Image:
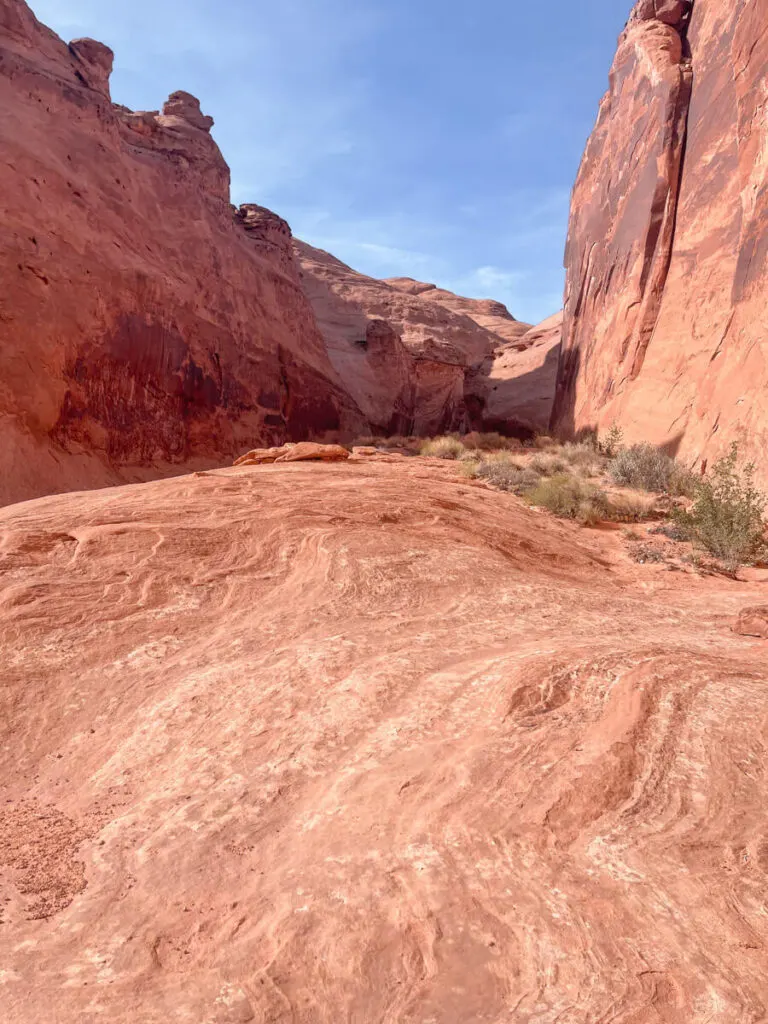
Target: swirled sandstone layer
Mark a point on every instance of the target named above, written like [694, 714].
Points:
[366, 742]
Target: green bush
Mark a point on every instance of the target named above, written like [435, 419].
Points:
[570, 498]
[727, 517]
[612, 443]
[650, 469]
[443, 448]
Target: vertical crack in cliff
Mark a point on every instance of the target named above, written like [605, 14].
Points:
[660, 240]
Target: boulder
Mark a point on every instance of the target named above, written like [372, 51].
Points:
[753, 622]
[303, 451]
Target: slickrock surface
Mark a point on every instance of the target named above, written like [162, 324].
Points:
[144, 322]
[667, 258]
[364, 742]
[420, 360]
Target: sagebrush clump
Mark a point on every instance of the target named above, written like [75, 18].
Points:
[443, 448]
[508, 476]
[650, 469]
[570, 498]
[727, 517]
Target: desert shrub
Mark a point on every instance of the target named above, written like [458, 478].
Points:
[612, 443]
[646, 553]
[548, 465]
[587, 436]
[400, 441]
[649, 469]
[570, 498]
[582, 456]
[507, 476]
[727, 517]
[488, 442]
[543, 441]
[672, 531]
[630, 508]
[369, 442]
[442, 448]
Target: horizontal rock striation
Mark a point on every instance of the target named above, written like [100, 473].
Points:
[667, 256]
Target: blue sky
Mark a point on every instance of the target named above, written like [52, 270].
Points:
[435, 139]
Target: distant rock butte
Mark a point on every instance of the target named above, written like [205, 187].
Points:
[419, 359]
[666, 310]
[493, 316]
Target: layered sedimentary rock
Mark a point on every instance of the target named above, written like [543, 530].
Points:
[419, 359]
[362, 742]
[403, 360]
[144, 323]
[667, 255]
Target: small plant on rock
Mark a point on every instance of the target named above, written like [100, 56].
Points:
[727, 517]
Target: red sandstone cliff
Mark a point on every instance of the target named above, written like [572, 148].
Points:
[419, 359]
[144, 322]
[666, 314]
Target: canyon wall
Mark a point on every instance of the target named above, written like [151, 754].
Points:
[419, 359]
[666, 312]
[144, 322]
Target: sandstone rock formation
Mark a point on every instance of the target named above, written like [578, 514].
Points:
[667, 256]
[493, 316]
[362, 742]
[513, 389]
[421, 360]
[753, 622]
[144, 323]
[304, 451]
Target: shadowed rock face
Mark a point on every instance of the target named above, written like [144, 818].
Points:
[667, 256]
[513, 390]
[144, 324]
[362, 742]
